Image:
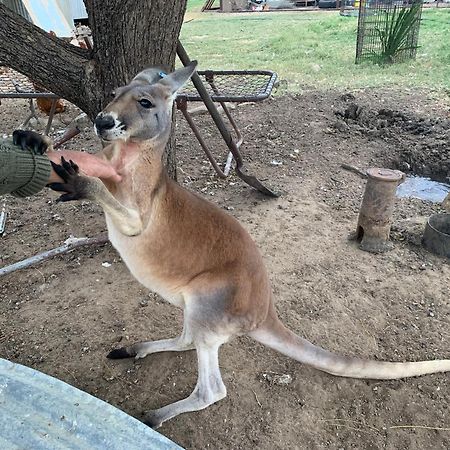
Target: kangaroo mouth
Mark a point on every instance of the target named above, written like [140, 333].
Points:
[112, 134]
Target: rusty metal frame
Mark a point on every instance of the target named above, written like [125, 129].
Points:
[209, 75]
[208, 100]
[217, 97]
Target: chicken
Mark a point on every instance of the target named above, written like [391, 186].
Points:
[45, 104]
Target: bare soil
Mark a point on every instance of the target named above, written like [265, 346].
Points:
[63, 316]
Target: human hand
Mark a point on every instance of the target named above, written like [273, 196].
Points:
[89, 165]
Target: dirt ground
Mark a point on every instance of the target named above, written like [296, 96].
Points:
[63, 316]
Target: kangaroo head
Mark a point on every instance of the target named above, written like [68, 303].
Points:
[142, 110]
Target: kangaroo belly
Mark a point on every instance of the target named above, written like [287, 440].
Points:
[141, 264]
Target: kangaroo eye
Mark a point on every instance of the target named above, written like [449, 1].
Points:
[146, 103]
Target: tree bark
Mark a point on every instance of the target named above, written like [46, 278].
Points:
[128, 36]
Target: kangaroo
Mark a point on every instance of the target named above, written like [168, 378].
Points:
[191, 252]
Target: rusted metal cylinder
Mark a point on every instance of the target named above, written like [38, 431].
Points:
[375, 215]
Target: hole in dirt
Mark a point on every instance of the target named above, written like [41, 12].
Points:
[359, 233]
[417, 144]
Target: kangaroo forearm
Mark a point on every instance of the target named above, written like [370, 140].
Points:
[127, 220]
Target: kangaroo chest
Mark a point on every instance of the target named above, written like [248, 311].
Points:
[143, 264]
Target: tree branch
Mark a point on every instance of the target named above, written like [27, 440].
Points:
[58, 66]
[128, 36]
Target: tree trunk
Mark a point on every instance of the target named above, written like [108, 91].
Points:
[128, 37]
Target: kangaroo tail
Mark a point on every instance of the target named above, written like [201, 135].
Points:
[276, 336]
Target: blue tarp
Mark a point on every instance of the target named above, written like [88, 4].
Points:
[47, 15]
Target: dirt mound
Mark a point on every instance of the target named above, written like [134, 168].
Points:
[421, 143]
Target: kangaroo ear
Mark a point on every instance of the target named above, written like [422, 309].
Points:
[176, 80]
[149, 76]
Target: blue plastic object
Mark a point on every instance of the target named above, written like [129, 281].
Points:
[40, 412]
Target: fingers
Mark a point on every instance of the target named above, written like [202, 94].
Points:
[86, 163]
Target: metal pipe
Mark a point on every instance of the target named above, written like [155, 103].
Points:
[29, 95]
[375, 215]
[50, 116]
[182, 106]
[226, 135]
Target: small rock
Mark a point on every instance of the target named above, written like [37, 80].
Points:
[348, 96]
[340, 125]
[143, 302]
[106, 264]
[280, 379]
[404, 166]
[353, 111]
[276, 163]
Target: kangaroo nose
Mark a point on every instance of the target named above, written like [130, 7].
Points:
[104, 122]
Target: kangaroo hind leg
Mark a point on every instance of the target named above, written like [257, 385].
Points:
[208, 390]
[142, 349]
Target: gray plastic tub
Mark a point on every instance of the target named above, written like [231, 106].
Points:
[39, 412]
[436, 237]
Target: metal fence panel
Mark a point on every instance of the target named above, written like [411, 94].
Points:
[377, 20]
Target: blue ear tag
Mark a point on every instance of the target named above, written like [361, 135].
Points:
[162, 74]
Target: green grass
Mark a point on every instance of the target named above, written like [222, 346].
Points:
[196, 5]
[313, 49]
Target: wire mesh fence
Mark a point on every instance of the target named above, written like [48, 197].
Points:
[233, 85]
[388, 30]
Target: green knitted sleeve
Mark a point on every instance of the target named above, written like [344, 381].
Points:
[22, 173]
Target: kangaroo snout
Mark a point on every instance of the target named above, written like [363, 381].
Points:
[104, 122]
[109, 127]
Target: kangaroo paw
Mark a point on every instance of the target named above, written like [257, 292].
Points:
[76, 187]
[32, 140]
